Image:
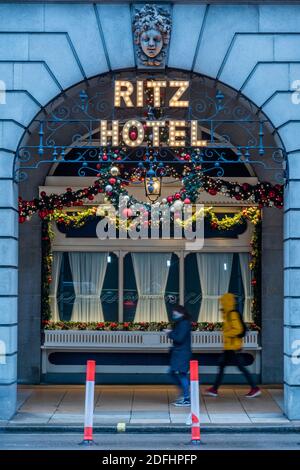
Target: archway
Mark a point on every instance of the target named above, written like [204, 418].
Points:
[30, 243]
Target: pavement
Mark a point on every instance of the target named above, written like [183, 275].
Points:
[146, 408]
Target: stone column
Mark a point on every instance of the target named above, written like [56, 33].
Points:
[8, 287]
[292, 290]
[272, 297]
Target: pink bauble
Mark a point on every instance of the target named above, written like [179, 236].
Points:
[133, 135]
[127, 212]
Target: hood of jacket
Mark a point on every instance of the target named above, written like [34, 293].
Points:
[228, 302]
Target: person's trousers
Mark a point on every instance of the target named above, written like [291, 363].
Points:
[230, 357]
[182, 381]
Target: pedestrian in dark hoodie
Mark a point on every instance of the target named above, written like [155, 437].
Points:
[181, 352]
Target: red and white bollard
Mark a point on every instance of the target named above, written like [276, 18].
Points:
[195, 402]
[89, 402]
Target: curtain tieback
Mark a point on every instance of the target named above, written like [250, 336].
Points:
[210, 297]
[151, 296]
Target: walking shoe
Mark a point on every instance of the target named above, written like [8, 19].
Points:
[211, 392]
[254, 392]
[184, 402]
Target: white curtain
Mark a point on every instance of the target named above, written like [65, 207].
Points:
[88, 272]
[214, 272]
[246, 277]
[151, 273]
[56, 265]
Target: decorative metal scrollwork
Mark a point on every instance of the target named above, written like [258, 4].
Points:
[69, 133]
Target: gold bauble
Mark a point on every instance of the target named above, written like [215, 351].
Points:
[114, 171]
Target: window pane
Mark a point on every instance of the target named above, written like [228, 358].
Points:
[109, 295]
[151, 286]
[192, 295]
[66, 293]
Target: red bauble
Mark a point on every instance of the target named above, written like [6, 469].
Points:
[245, 186]
[22, 219]
[98, 166]
[43, 214]
[127, 212]
[112, 180]
[187, 201]
[90, 197]
[169, 199]
[133, 135]
[104, 158]
[212, 191]
[238, 197]
[177, 196]
[187, 157]
[253, 282]
[271, 194]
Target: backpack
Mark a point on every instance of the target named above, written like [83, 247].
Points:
[244, 326]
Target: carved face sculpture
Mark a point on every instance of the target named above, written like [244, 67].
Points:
[151, 42]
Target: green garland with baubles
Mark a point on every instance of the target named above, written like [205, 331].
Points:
[264, 194]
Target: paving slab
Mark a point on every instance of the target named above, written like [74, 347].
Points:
[277, 395]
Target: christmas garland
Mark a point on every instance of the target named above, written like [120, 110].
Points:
[47, 259]
[131, 326]
[264, 194]
[255, 267]
[80, 218]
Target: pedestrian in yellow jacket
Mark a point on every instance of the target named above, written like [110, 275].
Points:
[233, 342]
[232, 326]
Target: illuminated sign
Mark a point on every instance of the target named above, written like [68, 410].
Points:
[131, 95]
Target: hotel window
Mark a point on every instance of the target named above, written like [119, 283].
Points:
[151, 286]
[208, 276]
[84, 287]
